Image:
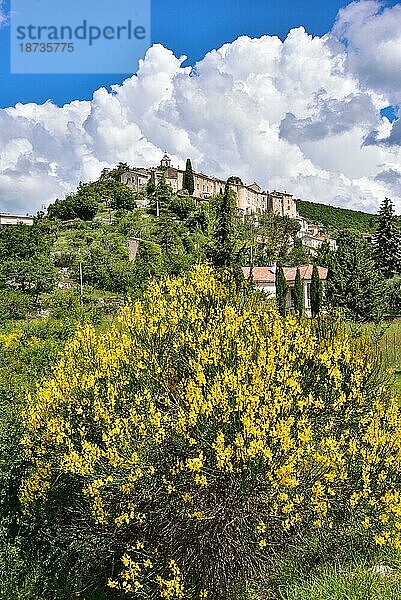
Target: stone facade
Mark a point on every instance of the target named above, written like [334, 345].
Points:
[283, 204]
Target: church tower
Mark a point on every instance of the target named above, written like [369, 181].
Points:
[165, 162]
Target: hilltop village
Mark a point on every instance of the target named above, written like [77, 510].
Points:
[251, 199]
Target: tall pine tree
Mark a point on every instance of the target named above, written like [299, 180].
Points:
[281, 291]
[188, 179]
[388, 241]
[298, 295]
[316, 292]
[354, 282]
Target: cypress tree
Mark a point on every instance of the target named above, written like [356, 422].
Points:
[281, 291]
[222, 254]
[316, 292]
[188, 179]
[388, 241]
[298, 294]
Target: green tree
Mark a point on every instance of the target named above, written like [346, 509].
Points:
[175, 243]
[388, 241]
[107, 270]
[85, 204]
[325, 256]
[198, 220]
[281, 291]
[116, 172]
[123, 198]
[20, 241]
[33, 276]
[82, 205]
[148, 264]
[298, 294]
[224, 232]
[62, 209]
[298, 255]
[392, 293]
[354, 282]
[188, 179]
[182, 207]
[14, 305]
[161, 196]
[316, 292]
[234, 179]
[150, 189]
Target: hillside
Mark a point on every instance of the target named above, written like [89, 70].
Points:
[332, 217]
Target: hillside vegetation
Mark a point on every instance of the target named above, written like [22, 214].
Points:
[334, 218]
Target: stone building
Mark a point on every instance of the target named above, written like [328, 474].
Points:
[282, 204]
[136, 179]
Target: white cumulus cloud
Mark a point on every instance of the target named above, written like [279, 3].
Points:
[372, 33]
[298, 115]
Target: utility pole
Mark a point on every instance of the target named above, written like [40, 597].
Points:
[81, 280]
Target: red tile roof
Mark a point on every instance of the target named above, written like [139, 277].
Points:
[260, 274]
[267, 274]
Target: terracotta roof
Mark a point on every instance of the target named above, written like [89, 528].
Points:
[260, 274]
[267, 274]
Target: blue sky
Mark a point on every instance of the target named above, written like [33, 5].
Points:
[192, 28]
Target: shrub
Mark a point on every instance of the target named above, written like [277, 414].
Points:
[392, 292]
[14, 305]
[203, 431]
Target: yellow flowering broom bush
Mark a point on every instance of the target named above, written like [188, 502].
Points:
[202, 430]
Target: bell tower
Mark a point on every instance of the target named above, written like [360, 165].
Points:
[165, 162]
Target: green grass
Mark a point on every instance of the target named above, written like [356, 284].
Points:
[353, 582]
[355, 578]
[322, 566]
